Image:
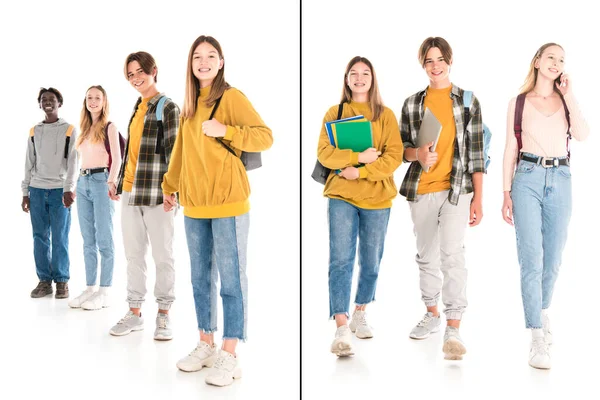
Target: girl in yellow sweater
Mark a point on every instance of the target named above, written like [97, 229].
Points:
[213, 189]
[360, 198]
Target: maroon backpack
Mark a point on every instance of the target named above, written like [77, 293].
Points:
[519, 120]
[107, 145]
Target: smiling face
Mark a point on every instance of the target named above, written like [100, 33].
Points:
[50, 104]
[141, 81]
[206, 63]
[94, 101]
[360, 79]
[551, 63]
[437, 68]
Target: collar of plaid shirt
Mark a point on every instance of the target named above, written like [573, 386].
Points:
[468, 146]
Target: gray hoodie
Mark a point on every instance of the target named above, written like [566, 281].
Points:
[48, 169]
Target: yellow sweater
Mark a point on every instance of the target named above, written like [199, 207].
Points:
[212, 182]
[375, 188]
[438, 177]
[136, 129]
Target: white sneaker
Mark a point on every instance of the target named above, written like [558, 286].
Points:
[359, 325]
[79, 300]
[454, 348]
[96, 302]
[224, 371]
[547, 331]
[342, 344]
[203, 355]
[539, 355]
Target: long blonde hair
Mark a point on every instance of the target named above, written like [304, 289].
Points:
[97, 135]
[192, 84]
[374, 97]
[531, 79]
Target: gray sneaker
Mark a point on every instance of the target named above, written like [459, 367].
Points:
[428, 325]
[453, 348]
[359, 325]
[163, 331]
[129, 323]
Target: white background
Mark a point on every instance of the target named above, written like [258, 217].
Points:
[51, 351]
[493, 45]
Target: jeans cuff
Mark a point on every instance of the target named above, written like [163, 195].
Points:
[453, 315]
[346, 313]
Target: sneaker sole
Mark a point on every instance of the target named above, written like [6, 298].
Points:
[436, 329]
[208, 363]
[342, 350]
[237, 374]
[163, 338]
[93, 309]
[453, 350]
[62, 296]
[40, 296]
[134, 329]
[539, 366]
[360, 336]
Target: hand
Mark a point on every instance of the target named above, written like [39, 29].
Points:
[507, 209]
[350, 173]
[25, 205]
[112, 191]
[68, 199]
[565, 84]
[368, 156]
[169, 201]
[476, 213]
[425, 156]
[214, 128]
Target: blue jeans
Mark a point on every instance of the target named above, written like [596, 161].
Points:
[218, 248]
[50, 221]
[542, 210]
[95, 211]
[347, 223]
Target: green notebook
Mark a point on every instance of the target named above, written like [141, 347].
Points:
[353, 135]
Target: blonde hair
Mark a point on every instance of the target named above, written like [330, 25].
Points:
[438, 42]
[192, 84]
[97, 135]
[531, 79]
[374, 97]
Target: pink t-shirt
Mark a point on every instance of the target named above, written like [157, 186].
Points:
[94, 155]
[544, 136]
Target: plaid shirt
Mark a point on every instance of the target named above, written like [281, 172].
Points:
[468, 146]
[151, 167]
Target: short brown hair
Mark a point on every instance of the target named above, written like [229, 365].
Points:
[146, 62]
[438, 42]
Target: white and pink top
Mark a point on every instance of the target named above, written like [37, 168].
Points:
[542, 135]
[94, 155]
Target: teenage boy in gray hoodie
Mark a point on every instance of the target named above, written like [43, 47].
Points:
[48, 193]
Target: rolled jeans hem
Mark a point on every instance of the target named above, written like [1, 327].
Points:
[457, 315]
[346, 313]
[61, 280]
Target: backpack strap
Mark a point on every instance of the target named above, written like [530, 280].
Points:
[31, 133]
[518, 123]
[159, 110]
[68, 140]
[568, 117]
[340, 109]
[107, 144]
[212, 114]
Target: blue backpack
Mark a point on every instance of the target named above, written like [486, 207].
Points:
[487, 134]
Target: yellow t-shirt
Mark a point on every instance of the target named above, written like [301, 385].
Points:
[438, 177]
[135, 138]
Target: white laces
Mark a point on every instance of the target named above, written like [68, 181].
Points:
[360, 319]
[126, 318]
[162, 322]
[225, 362]
[539, 346]
[202, 347]
[425, 320]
